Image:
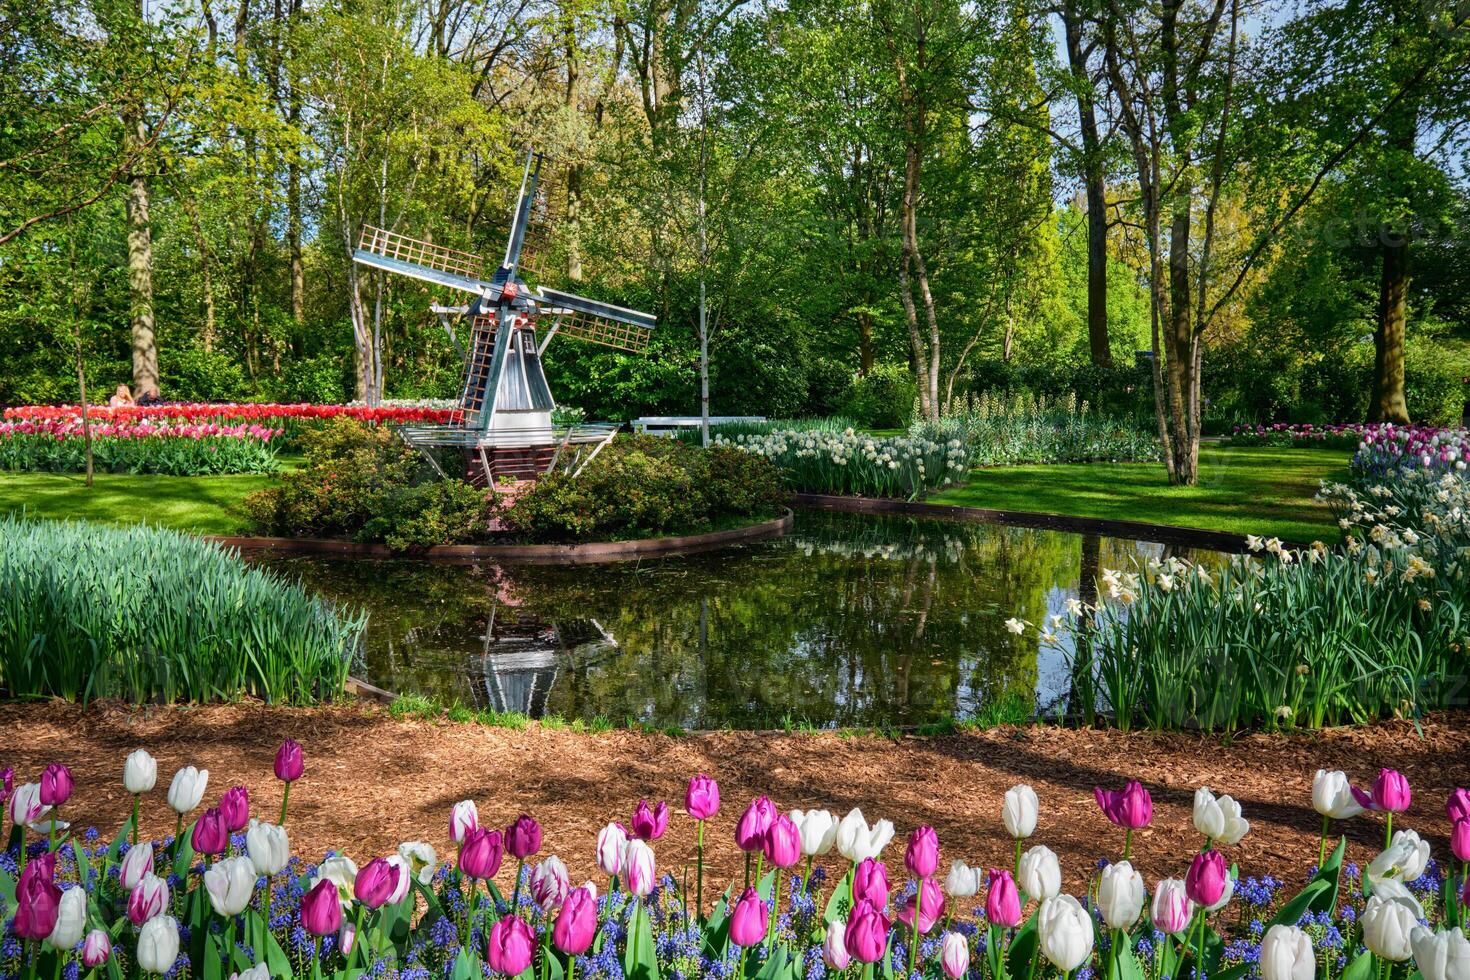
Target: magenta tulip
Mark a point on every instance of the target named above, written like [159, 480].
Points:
[96, 948]
[650, 823]
[376, 882]
[480, 855]
[1460, 839]
[783, 842]
[148, 899]
[931, 909]
[56, 785]
[321, 909]
[750, 830]
[1390, 792]
[749, 921]
[922, 857]
[1206, 879]
[702, 798]
[7, 784]
[235, 806]
[867, 933]
[577, 924]
[510, 946]
[211, 834]
[1457, 807]
[1002, 900]
[37, 899]
[289, 764]
[523, 837]
[870, 883]
[1131, 807]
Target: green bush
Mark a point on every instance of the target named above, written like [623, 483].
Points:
[363, 482]
[881, 399]
[195, 375]
[89, 611]
[642, 486]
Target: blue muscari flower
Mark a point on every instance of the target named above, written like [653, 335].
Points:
[90, 835]
[71, 971]
[1085, 973]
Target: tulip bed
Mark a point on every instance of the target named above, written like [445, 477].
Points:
[1388, 451]
[138, 446]
[849, 462]
[1281, 434]
[223, 896]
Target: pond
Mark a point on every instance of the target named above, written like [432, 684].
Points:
[847, 621]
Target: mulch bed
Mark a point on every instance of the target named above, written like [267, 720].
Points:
[373, 781]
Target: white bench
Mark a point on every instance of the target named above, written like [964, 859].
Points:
[667, 425]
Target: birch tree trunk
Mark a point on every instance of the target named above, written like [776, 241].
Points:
[140, 270]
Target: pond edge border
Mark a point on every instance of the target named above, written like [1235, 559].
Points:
[589, 553]
[1190, 537]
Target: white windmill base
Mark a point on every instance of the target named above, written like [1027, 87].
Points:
[522, 452]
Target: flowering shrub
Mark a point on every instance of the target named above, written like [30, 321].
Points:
[997, 430]
[1282, 434]
[224, 896]
[58, 445]
[816, 461]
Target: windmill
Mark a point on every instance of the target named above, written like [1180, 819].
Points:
[504, 422]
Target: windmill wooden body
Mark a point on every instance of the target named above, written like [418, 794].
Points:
[504, 423]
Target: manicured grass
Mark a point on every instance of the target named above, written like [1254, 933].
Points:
[1245, 491]
[202, 504]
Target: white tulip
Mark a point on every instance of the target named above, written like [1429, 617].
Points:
[1120, 895]
[857, 841]
[962, 881]
[1332, 795]
[834, 946]
[231, 885]
[1386, 928]
[1172, 910]
[422, 859]
[1287, 954]
[187, 789]
[257, 972]
[640, 867]
[1040, 873]
[71, 920]
[1019, 810]
[463, 819]
[1443, 955]
[136, 865]
[1393, 890]
[341, 871]
[140, 772]
[1218, 819]
[404, 873]
[268, 846]
[818, 831]
[1064, 928]
[158, 944]
[1404, 859]
[25, 806]
[612, 843]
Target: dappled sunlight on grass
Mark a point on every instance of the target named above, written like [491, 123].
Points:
[205, 504]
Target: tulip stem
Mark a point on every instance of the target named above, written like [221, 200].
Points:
[20, 870]
[1322, 851]
[571, 966]
[1016, 865]
[515, 900]
[1387, 829]
[744, 952]
[747, 869]
[285, 798]
[698, 874]
[1128, 844]
[775, 914]
[357, 940]
[316, 960]
[135, 819]
[760, 869]
[35, 955]
[918, 911]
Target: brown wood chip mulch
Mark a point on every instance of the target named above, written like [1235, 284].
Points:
[373, 781]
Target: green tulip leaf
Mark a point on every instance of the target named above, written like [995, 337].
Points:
[464, 968]
[211, 961]
[1361, 968]
[778, 967]
[840, 900]
[7, 887]
[184, 853]
[717, 929]
[640, 961]
[1024, 950]
[114, 852]
[1308, 898]
[1128, 967]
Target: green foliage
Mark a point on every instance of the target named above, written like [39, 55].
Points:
[143, 614]
[365, 483]
[881, 399]
[644, 486]
[172, 455]
[1004, 431]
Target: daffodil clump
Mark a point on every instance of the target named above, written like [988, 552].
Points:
[849, 462]
[998, 429]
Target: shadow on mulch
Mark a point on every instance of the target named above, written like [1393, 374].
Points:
[373, 781]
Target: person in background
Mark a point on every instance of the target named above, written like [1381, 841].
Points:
[120, 398]
[150, 397]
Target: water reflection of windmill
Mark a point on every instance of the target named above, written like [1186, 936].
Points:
[504, 423]
[523, 659]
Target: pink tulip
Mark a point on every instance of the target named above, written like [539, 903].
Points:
[1457, 807]
[1460, 839]
[56, 785]
[577, 924]
[211, 833]
[650, 823]
[931, 909]
[954, 955]
[7, 783]
[702, 798]
[96, 948]
[1002, 900]
[867, 933]
[1131, 807]
[321, 909]
[549, 883]
[376, 882]
[463, 820]
[749, 921]
[37, 899]
[523, 837]
[289, 764]
[480, 855]
[1390, 792]
[149, 898]
[1206, 879]
[510, 946]
[870, 883]
[235, 806]
[750, 830]
[922, 856]
[783, 842]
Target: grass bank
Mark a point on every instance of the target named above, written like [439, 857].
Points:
[1261, 491]
[201, 504]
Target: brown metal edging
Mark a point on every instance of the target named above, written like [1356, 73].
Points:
[574, 554]
[1191, 537]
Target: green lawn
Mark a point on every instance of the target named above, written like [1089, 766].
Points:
[205, 504]
[1246, 491]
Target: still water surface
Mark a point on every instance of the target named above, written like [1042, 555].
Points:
[847, 621]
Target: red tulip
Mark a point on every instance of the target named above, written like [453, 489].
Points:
[523, 837]
[1002, 900]
[1457, 807]
[376, 882]
[1206, 879]
[750, 830]
[867, 933]
[922, 856]
[783, 842]
[931, 909]
[870, 882]
[1460, 839]
[480, 855]
[1390, 792]
[289, 764]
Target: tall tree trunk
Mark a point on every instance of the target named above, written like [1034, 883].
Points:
[1180, 337]
[865, 342]
[1094, 181]
[140, 272]
[1388, 403]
